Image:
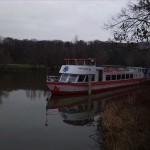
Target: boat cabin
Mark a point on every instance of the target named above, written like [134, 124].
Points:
[79, 70]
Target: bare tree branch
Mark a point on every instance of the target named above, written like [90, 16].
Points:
[133, 23]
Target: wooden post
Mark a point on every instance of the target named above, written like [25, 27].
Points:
[89, 84]
[47, 73]
[89, 107]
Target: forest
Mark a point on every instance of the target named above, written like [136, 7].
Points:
[52, 53]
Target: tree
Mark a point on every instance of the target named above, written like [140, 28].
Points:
[133, 23]
[4, 56]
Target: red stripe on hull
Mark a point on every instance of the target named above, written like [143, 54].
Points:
[93, 91]
[95, 83]
[129, 83]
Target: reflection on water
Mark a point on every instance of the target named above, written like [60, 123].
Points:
[3, 94]
[84, 110]
[32, 82]
[22, 80]
[70, 122]
[34, 94]
[22, 114]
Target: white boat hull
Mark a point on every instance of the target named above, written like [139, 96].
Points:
[79, 88]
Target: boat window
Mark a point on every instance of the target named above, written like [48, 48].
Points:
[81, 78]
[127, 76]
[86, 79]
[63, 77]
[118, 77]
[108, 77]
[131, 75]
[72, 78]
[100, 75]
[140, 70]
[123, 76]
[92, 77]
[113, 77]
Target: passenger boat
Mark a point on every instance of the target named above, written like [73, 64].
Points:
[80, 76]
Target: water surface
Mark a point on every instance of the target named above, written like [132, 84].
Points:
[29, 122]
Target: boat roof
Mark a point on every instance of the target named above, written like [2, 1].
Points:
[100, 65]
[80, 59]
[116, 66]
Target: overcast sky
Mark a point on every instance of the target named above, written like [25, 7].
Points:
[58, 19]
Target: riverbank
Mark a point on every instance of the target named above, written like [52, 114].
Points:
[16, 67]
[125, 124]
[27, 67]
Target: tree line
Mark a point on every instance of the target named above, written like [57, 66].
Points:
[52, 53]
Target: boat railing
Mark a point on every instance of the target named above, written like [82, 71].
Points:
[80, 62]
[53, 78]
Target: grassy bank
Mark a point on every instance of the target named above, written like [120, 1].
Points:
[17, 66]
[126, 124]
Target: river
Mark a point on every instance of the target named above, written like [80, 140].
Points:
[29, 122]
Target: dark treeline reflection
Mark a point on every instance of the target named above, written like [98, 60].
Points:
[53, 52]
[23, 80]
[3, 94]
[33, 94]
[32, 82]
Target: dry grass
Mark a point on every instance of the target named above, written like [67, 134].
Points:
[127, 125]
